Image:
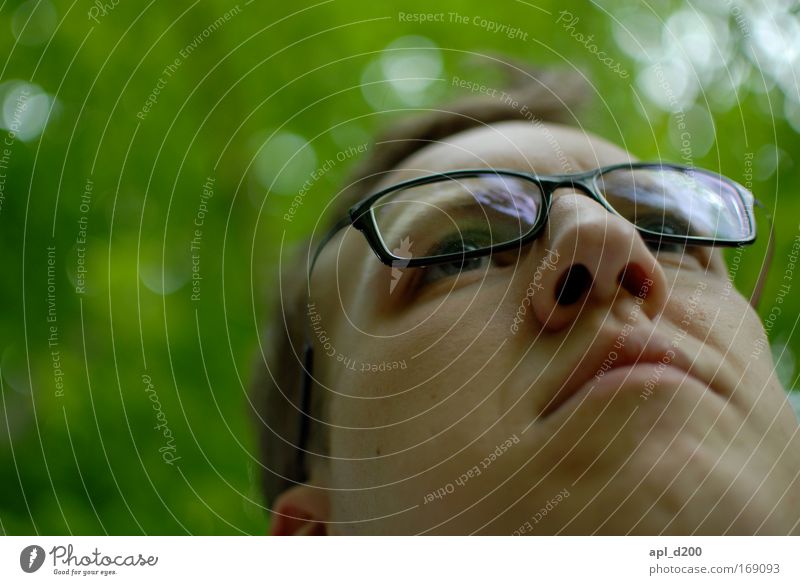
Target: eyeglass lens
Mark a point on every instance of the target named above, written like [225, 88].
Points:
[458, 214]
[665, 201]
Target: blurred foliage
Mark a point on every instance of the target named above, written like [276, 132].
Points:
[259, 96]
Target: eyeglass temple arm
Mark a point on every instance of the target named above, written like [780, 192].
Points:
[341, 224]
[305, 412]
[755, 298]
[308, 359]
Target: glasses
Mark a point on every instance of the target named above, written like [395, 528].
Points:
[457, 216]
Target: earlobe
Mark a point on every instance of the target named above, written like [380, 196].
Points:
[300, 511]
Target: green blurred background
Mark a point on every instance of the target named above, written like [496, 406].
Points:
[102, 341]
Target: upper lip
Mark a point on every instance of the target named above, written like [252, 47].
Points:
[640, 346]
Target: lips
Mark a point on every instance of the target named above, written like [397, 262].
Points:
[609, 352]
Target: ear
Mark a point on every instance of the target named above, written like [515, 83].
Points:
[301, 511]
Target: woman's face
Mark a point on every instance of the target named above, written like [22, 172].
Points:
[643, 401]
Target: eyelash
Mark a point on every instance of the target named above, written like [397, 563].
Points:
[429, 272]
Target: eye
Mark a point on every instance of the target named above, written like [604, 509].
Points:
[664, 247]
[668, 226]
[456, 243]
[672, 253]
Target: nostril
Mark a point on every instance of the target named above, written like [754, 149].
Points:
[572, 284]
[632, 278]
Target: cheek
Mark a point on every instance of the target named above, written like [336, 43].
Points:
[408, 395]
[425, 377]
[405, 404]
[716, 315]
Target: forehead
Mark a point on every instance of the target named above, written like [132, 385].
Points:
[542, 148]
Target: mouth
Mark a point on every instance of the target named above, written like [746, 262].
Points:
[641, 348]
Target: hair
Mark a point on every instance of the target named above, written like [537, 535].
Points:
[548, 95]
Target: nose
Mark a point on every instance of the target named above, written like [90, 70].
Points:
[589, 255]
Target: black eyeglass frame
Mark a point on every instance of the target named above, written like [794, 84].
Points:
[361, 217]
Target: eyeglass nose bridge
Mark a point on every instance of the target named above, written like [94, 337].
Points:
[583, 185]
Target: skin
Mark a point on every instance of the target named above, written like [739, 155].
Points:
[643, 407]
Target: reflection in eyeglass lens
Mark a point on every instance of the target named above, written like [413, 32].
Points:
[459, 214]
[673, 202]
